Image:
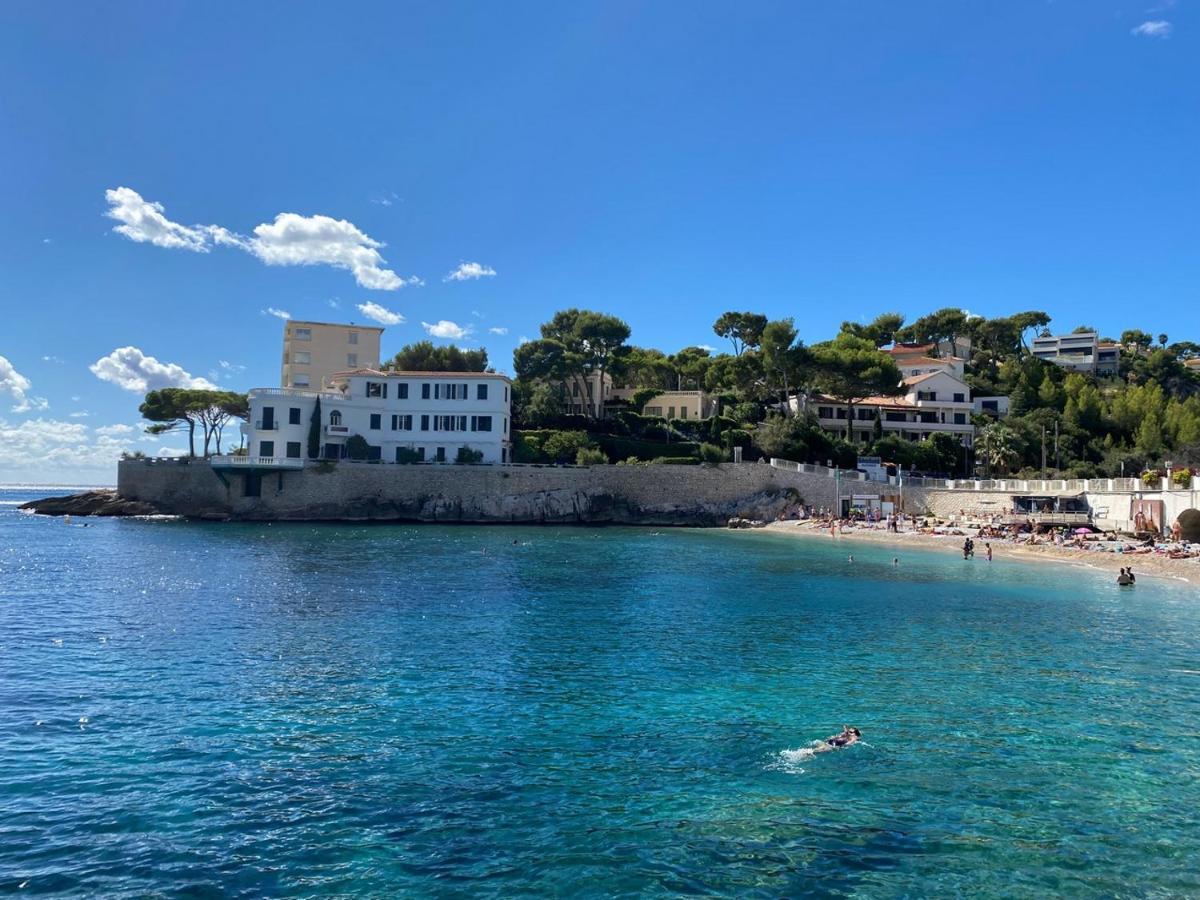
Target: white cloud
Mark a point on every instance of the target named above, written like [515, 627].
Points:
[145, 222]
[277, 313]
[446, 329]
[80, 414]
[113, 430]
[1155, 28]
[386, 199]
[333, 304]
[291, 240]
[380, 314]
[55, 450]
[470, 271]
[498, 331]
[707, 347]
[17, 387]
[295, 240]
[523, 339]
[132, 370]
[232, 368]
[52, 359]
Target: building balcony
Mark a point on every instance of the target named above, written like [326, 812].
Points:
[337, 430]
[269, 426]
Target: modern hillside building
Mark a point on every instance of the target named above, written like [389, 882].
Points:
[314, 351]
[403, 416]
[1081, 352]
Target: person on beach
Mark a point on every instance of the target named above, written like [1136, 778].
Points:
[989, 551]
[1132, 577]
[1125, 578]
[849, 735]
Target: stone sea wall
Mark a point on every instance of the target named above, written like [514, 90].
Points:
[661, 494]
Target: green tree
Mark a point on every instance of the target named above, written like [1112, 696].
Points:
[171, 409]
[881, 331]
[849, 369]
[781, 356]
[1032, 321]
[997, 447]
[941, 325]
[424, 356]
[357, 447]
[1135, 337]
[743, 329]
[314, 431]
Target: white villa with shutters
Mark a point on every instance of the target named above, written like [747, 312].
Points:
[403, 416]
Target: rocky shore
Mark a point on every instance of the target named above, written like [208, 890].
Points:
[91, 503]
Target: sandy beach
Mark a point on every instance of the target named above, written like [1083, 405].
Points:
[1144, 564]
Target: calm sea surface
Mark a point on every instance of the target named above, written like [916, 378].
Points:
[251, 710]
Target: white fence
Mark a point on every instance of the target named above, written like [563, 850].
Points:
[994, 485]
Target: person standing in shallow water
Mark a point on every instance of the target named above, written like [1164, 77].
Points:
[989, 551]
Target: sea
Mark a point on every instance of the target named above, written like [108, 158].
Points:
[322, 710]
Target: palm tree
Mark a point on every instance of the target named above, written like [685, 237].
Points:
[998, 447]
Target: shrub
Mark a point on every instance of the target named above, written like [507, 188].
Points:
[407, 456]
[1189, 525]
[629, 461]
[1182, 478]
[1151, 478]
[564, 446]
[357, 447]
[712, 455]
[623, 447]
[590, 456]
[136, 454]
[326, 467]
[674, 461]
[468, 457]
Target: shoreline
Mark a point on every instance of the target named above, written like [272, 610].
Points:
[1144, 564]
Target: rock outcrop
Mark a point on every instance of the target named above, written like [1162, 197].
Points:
[91, 503]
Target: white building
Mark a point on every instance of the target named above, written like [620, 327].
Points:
[403, 416]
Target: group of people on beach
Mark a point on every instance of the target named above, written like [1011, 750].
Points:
[1127, 578]
[969, 549]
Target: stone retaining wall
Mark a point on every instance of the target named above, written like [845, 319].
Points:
[650, 494]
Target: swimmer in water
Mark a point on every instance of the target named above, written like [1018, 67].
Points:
[895, 560]
[849, 735]
[851, 559]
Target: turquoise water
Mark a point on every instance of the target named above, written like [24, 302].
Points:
[250, 710]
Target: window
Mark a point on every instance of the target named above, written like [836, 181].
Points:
[301, 358]
[960, 398]
[302, 334]
[352, 359]
[294, 415]
[420, 454]
[441, 454]
[266, 448]
[841, 412]
[425, 422]
[449, 423]
[376, 421]
[402, 390]
[402, 423]
[895, 417]
[926, 395]
[481, 423]
[683, 413]
[991, 405]
[960, 418]
[506, 393]
[654, 410]
[352, 337]
[267, 422]
[299, 381]
[824, 412]
[335, 417]
[506, 424]
[424, 392]
[450, 391]
[670, 412]
[481, 392]
[376, 389]
[293, 449]
[575, 389]
[865, 415]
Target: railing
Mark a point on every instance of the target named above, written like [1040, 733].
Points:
[256, 462]
[337, 429]
[273, 425]
[336, 396]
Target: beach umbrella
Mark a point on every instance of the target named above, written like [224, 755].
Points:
[1083, 531]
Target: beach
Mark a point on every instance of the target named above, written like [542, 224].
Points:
[1143, 564]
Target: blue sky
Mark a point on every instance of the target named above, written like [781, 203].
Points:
[660, 161]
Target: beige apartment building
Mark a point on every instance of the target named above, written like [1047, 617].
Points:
[314, 351]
